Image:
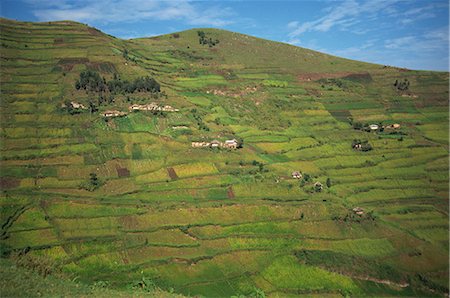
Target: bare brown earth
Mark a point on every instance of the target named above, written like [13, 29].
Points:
[7, 183]
[172, 174]
[123, 172]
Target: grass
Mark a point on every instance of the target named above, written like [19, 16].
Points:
[18, 281]
[286, 273]
[359, 247]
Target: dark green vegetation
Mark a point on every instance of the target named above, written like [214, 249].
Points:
[91, 81]
[127, 204]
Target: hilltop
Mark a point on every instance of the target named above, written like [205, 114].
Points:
[207, 162]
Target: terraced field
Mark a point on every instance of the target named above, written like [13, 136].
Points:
[218, 222]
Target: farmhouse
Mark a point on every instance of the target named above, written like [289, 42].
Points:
[77, 105]
[297, 175]
[392, 126]
[180, 127]
[74, 105]
[358, 210]
[318, 186]
[168, 108]
[357, 146]
[113, 113]
[215, 144]
[200, 144]
[373, 126]
[230, 144]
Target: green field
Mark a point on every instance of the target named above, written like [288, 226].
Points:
[127, 207]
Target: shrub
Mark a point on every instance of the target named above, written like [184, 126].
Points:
[93, 183]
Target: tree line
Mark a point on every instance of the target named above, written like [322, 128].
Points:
[91, 81]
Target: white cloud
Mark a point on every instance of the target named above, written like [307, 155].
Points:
[103, 11]
[344, 15]
[431, 41]
[292, 24]
[357, 51]
[401, 42]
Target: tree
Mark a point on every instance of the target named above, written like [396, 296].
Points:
[302, 183]
[306, 177]
[93, 179]
[328, 182]
[240, 142]
[92, 184]
[261, 167]
[357, 125]
[92, 106]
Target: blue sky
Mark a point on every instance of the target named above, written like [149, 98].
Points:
[405, 33]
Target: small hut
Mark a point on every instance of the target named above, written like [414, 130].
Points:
[215, 144]
[358, 211]
[297, 175]
[318, 186]
[231, 144]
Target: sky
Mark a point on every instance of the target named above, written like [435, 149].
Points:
[405, 33]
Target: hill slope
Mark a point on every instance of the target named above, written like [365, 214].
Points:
[113, 200]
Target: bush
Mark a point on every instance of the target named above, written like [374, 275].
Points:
[401, 85]
[204, 40]
[93, 183]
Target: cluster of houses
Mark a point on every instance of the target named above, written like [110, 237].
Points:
[228, 144]
[74, 105]
[152, 107]
[136, 107]
[374, 127]
[297, 175]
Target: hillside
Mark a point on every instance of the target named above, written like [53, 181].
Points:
[98, 192]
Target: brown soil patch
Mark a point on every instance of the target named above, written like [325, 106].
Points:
[7, 183]
[230, 192]
[94, 32]
[172, 174]
[102, 67]
[67, 64]
[123, 172]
